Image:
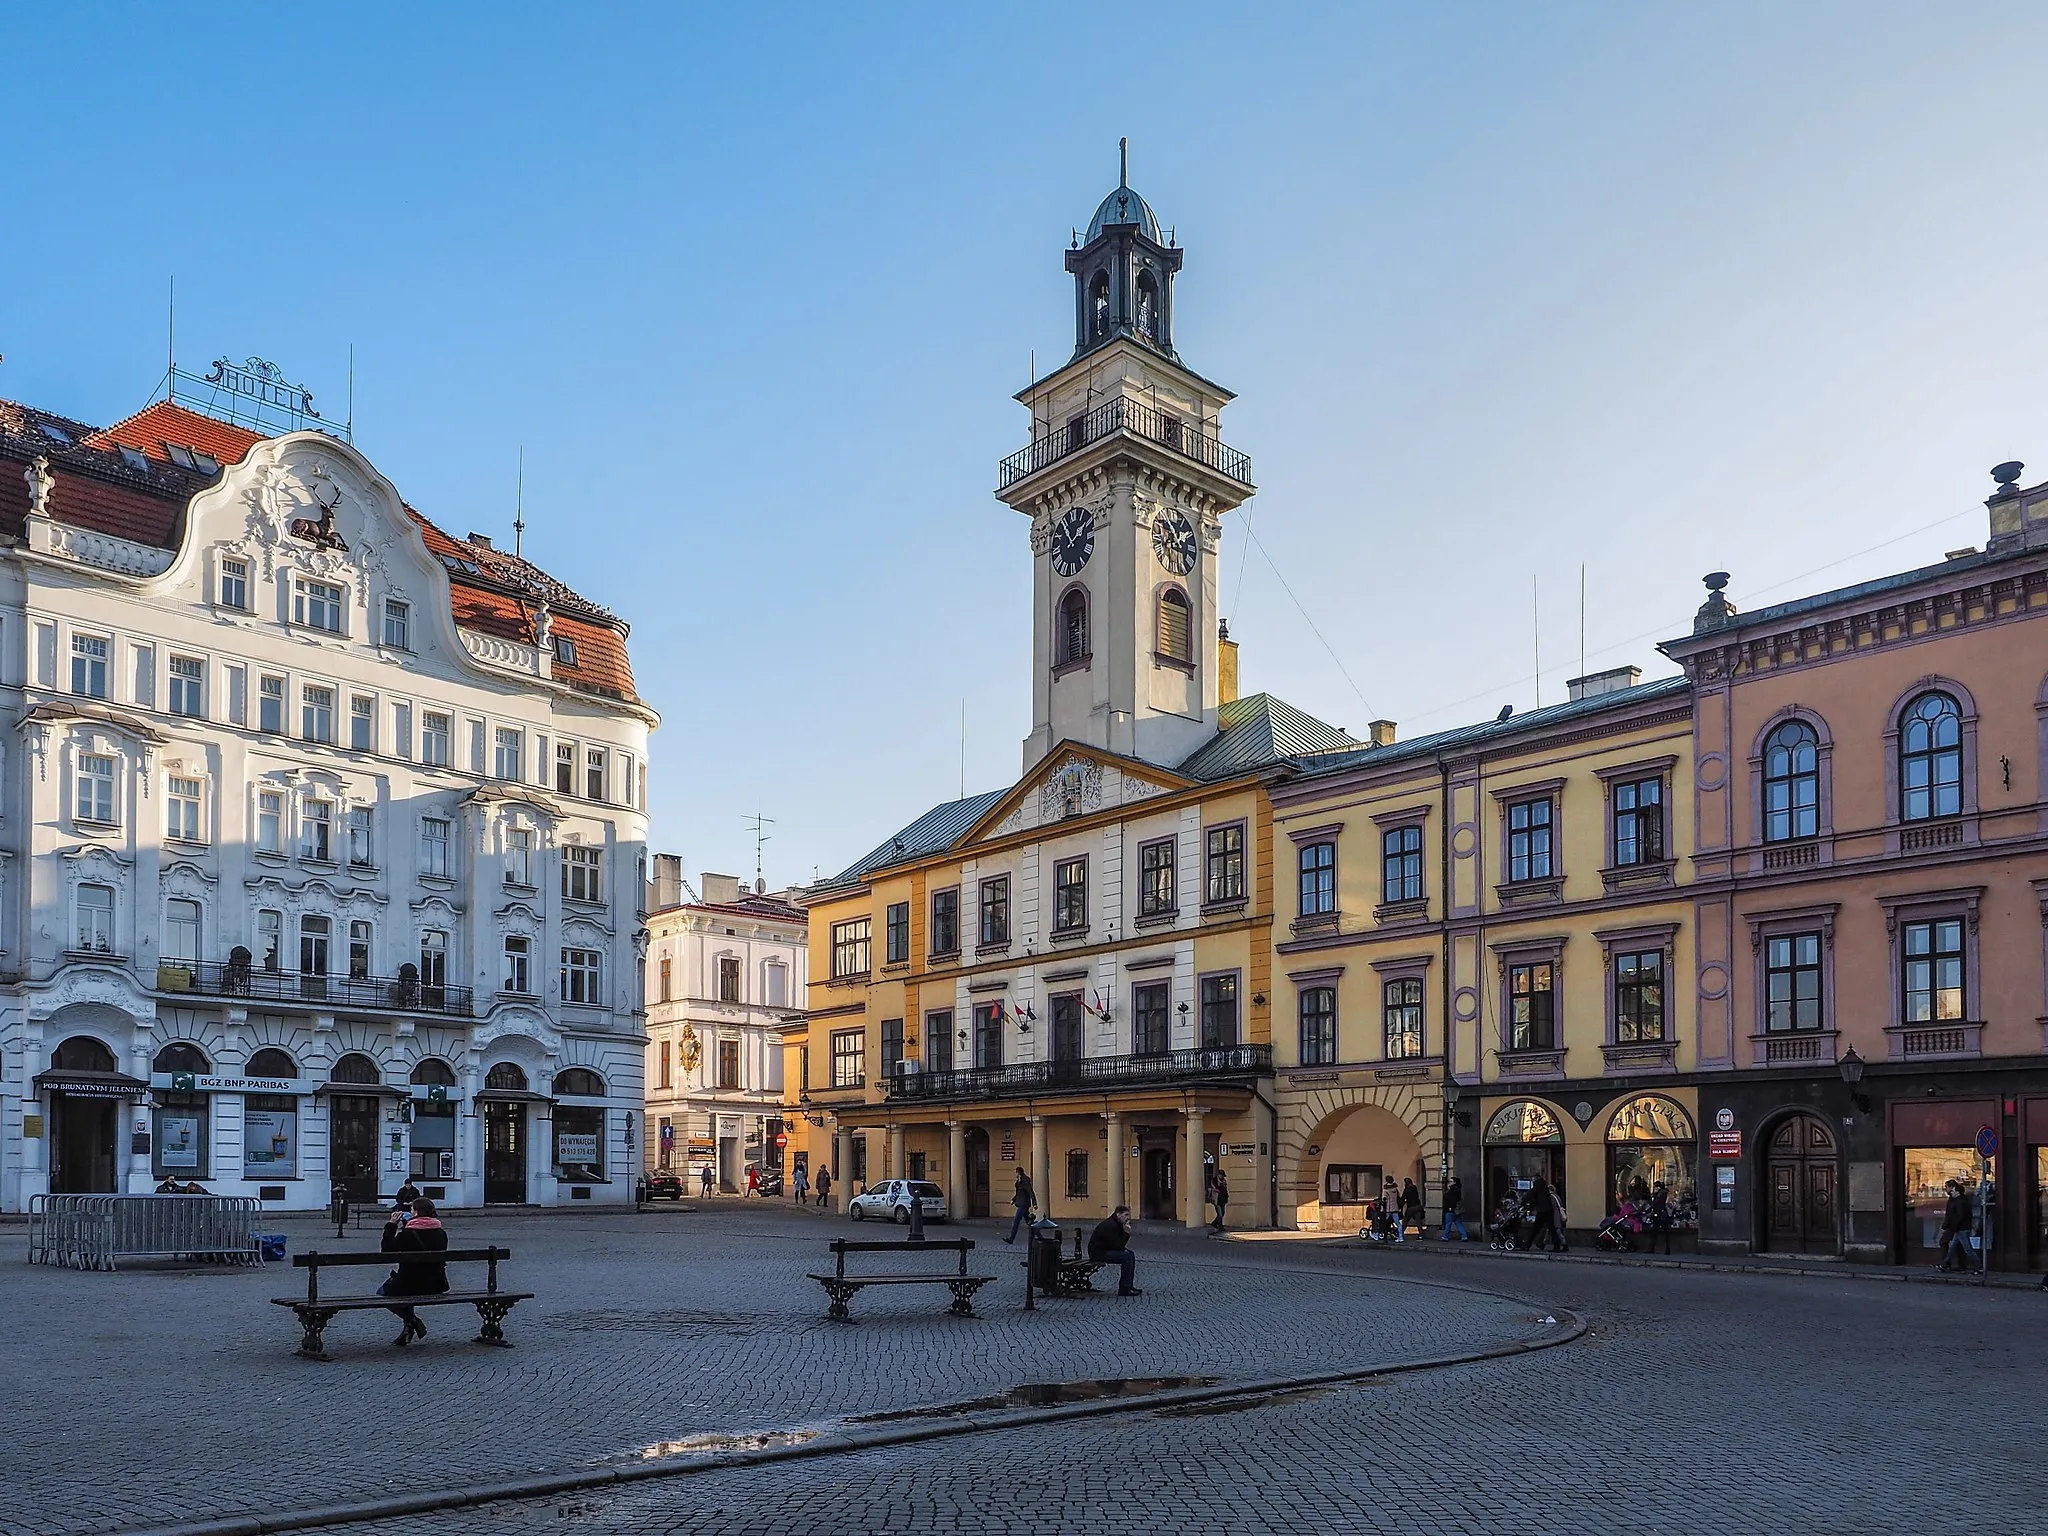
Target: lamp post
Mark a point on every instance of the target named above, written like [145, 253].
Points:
[1452, 1089]
[1851, 1068]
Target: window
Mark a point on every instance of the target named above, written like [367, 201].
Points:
[1930, 758]
[316, 830]
[360, 849]
[433, 967]
[565, 768]
[317, 605]
[181, 806]
[1933, 972]
[988, 1034]
[1226, 863]
[234, 584]
[1792, 982]
[1318, 871]
[580, 873]
[358, 951]
[850, 947]
[362, 722]
[1151, 1026]
[505, 764]
[995, 910]
[946, 922]
[1070, 896]
[848, 1048]
[938, 1040]
[397, 624]
[1791, 783]
[314, 936]
[435, 729]
[1318, 1025]
[95, 919]
[1529, 823]
[181, 932]
[270, 705]
[579, 1142]
[1175, 631]
[1532, 1007]
[1639, 995]
[270, 940]
[518, 958]
[775, 980]
[593, 773]
[434, 838]
[892, 1047]
[270, 1125]
[183, 1121]
[728, 1064]
[316, 714]
[1155, 879]
[663, 1075]
[896, 933]
[1077, 1174]
[579, 976]
[1073, 640]
[1401, 864]
[89, 666]
[1638, 822]
[1402, 1000]
[96, 788]
[518, 856]
[188, 687]
[565, 650]
[1219, 1011]
[728, 978]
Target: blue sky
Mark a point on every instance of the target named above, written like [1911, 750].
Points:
[1503, 291]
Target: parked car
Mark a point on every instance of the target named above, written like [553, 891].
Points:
[890, 1200]
[771, 1182]
[664, 1185]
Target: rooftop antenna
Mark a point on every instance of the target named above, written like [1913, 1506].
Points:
[1123, 162]
[351, 391]
[519, 509]
[171, 341]
[1536, 640]
[1582, 618]
[758, 825]
[963, 748]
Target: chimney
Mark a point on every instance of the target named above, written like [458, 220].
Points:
[1380, 733]
[1593, 684]
[1226, 666]
[720, 890]
[666, 888]
[481, 540]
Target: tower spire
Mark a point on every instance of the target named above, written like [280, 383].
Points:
[1123, 162]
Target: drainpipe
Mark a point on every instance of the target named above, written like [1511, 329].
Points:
[1272, 1158]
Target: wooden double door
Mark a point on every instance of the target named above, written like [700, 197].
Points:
[1800, 1167]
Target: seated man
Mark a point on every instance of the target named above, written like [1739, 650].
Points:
[1110, 1242]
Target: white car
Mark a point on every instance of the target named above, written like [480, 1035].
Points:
[890, 1201]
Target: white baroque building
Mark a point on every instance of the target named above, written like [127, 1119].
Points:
[322, 834]
[726, 972]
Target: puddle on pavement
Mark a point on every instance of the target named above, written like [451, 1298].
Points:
[1043, 1394]
[708, 1445]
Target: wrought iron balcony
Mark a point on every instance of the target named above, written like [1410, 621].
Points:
[1086, 1074]
[404, 993]
[1136, 418]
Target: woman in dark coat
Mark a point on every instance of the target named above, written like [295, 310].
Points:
[422, 1233]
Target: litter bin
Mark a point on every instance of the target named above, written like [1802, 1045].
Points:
[1045, 1255]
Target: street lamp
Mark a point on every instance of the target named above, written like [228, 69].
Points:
[1851, 1068]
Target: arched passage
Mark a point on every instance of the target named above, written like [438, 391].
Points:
[1349, 1132]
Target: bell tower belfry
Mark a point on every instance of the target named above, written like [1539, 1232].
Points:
[1125, 482]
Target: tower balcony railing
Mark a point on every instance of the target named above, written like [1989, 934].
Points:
[1137, 419]
[1086, 1074]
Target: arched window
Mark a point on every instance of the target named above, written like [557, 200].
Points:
[271, 1062]
[1176, 633]
[579, 1083]
[1931, 759]
[434, 1073]
[1073, 642]
[355, 1068]
[1098, 304]
[1651, 1141]
[505, 1075]
[180, 1058]
[1148, 307]
[1525, 1123]
[1791, 783]
[82, 1053]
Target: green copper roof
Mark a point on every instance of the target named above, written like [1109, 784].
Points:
[937, 829]
[1258, 731]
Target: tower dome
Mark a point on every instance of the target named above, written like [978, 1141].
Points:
[1124, 206]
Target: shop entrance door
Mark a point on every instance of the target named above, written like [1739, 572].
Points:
[504, 1153]
[1155, 1194]
[82, 1135]
[352, 1162]
[1799, 1177]
[977, 1171]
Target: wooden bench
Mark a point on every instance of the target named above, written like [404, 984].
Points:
[315, 1312]
[841, 1287]
[1078, 1273]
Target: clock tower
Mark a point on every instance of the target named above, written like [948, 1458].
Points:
[1125, 482]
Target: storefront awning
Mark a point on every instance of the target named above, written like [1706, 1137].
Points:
[512, 1096]
[363, 1090]
[92, 1085]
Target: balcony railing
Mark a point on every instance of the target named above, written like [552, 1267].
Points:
[1086, 1074]
[230, 978]
[1136, 418]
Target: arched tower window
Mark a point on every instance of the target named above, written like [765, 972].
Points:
[1931, 759]
[1148, 307]
[1176, 632]
[1098, 304]
[1791, 783]
[1073, 639]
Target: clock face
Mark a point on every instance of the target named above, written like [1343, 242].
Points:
[1173, 541]
[1073, 541]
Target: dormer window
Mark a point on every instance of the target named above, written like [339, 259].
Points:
[134, 459]
[565, 650]
[180, 455]
[55, 433]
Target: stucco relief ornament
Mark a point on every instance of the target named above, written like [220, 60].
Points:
[40, 482]
[1072, 791]
[692, 1051]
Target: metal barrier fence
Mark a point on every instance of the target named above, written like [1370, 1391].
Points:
[97, 1231]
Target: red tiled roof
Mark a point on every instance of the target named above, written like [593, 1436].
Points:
[491, 591]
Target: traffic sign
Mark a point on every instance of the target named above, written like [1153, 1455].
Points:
[1987, 1142]
[782, 1138]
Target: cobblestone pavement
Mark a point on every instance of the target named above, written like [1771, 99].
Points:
[1697, 1403]
[157, 1396]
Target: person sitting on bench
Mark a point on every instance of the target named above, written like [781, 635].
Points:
[423, 1232]
[1110, 1243]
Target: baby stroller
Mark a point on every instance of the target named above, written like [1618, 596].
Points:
[1505, 1230]
[1382, 1225]
[1617, 1234]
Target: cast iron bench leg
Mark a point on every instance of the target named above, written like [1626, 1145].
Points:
[963, 1296]
[840, 1293]
[313, 1340]
[493, 1314]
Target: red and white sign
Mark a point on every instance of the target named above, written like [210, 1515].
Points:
[782, 1138]
[1009, 1150]
[1724, 1143]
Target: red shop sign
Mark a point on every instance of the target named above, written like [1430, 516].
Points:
[1724, 1143]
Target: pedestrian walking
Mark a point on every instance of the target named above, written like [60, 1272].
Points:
[417, 1230]
[1412, 1212]
[824, 1186]
[1660, 1217]
[800, 1184]
[753, 1180]
[1023, 1198]
[1390, 1207]
[1454, 1216]
[1955, 1230]
[704, 1180]
[1219, 1192]
[1546, 1228]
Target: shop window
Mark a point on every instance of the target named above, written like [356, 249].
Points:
[182, 1133]
[1651, 1141]
[1351, 1183]
[270, 1134]
[579, 1142]
[1524, 1142]
[1927, 1172]
[1077, 1174]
